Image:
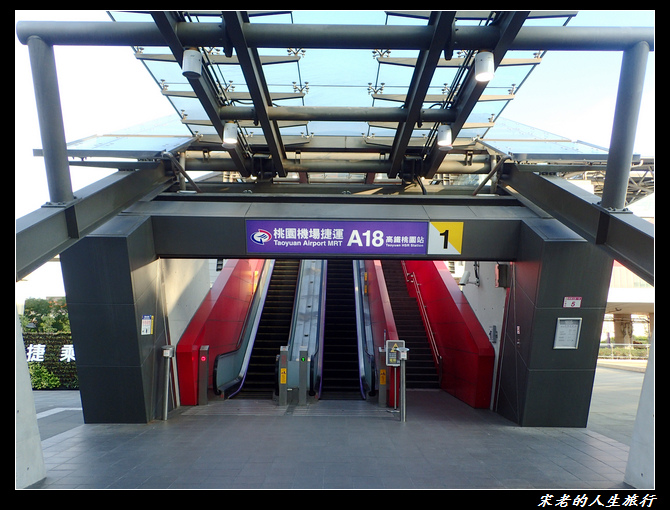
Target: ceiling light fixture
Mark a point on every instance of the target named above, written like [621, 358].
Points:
[229, 135]
[192, 63]
[484, 68]
[444, 141]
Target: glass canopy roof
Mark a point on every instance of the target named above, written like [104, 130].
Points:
[347, 79]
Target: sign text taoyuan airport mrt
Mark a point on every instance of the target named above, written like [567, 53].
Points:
[348, 237]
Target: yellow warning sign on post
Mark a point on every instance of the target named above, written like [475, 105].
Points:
[282, 376]
[392, 346]
[382, 377]
[445, 238]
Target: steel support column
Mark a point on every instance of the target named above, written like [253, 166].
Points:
[50, 116]
[626, 113]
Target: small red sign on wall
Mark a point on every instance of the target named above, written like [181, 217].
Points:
[572, 302]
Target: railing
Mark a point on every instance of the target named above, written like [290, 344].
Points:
[230, 368]
[411, 278]
[366, 357]
[624, 351]
[307, 323]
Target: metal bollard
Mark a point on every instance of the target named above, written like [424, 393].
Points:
[203, 374]
[168, 353]
[283, 375]
[383, 376]
[302, 383]
[403, 403]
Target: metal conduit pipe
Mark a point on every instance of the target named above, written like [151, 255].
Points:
[479, 165]
[332, 36]
[335, 113]
[490, 174]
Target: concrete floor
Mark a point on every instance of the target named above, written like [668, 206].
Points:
[443, 444]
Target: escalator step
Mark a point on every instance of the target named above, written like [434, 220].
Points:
[273, 331]
[421, 372]
[340, 375]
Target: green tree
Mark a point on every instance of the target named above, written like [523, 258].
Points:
[41, 378]
[45, 315]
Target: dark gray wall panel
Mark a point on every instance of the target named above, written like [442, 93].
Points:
[538, 384]
[200, 237]
[112, 394]
[558, 398]
[86, 283]
[99, 331]
[112, 279]
[543, 356]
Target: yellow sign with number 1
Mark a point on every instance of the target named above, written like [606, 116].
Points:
[445, 238]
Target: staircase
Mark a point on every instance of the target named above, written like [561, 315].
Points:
[340, 374]
[420, 371]
[273, 332]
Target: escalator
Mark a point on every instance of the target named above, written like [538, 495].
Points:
[341, 379]
[273, 331]
[420, 371]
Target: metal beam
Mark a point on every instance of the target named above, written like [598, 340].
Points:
[45, 233]
[456, 62]
[442, 24]
[203, 86]
[82, 33]
[456, 164]
[253, 74]
[627, 238]
[467, 37]
[330, 143]
[508, 27]
[351, 166]
[235, 96]
[219, 59]
[336, 114]
[217, 229]
[439, 98]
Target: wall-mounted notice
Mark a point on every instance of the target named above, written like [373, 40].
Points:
[147, 324]
[567, 333]
[324, 237]
[572, 302]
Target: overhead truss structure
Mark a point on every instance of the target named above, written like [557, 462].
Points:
[307, 119]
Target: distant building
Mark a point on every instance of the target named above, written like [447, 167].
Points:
[630, 302]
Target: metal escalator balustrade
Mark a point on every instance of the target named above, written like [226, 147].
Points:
[420, 371]
[341, 377]
[273, 331]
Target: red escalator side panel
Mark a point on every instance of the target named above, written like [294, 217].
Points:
[381, 317]
[381, 314]
[218, 323]
[468, 356]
